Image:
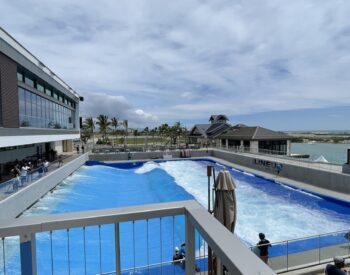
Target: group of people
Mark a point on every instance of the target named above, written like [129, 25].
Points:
[82, 149]
[22, 173]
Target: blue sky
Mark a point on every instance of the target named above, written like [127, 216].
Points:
[285, 67]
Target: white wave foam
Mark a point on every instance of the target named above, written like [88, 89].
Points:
[249, 174]
[278, 217]
[147, 167]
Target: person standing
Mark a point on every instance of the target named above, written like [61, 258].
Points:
[24, 174]
[15, 172]
[263, 246]
[82, 148]
[46, 166]
[60, 161]
[78, 149]
[337, 268]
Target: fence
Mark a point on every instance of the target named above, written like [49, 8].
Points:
[310, 251]
[13, 185]
[133, 240]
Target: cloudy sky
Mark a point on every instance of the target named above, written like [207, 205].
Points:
[283, 65]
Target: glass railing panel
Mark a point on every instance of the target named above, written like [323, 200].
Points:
[303, 252]
[336, 244]
[278, 258]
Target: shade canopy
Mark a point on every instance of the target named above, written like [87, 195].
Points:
[225, 209]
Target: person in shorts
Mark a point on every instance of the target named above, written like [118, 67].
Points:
[263, 246]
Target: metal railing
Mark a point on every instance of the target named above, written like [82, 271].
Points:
[309, 251]
[128, 240]
[16, 184]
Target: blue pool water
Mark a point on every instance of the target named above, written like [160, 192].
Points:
[280, 211]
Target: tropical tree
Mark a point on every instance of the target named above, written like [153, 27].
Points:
[115, 124]
[164, 131]
[103, 123]
[89, 125]
[85, 135]
[135, 133]
[125, 123]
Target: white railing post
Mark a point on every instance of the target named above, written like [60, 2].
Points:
[117, 248]
[28, 254]
[190, 248]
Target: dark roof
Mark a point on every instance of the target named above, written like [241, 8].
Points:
[216, 129]
[252, 133]
[217, 117]
[199, 129]
[209, 130]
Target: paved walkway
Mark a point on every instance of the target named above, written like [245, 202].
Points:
[7, 188]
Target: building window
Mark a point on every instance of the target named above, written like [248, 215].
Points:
[40, 88]
[28, 81]
[39, 112]
[19, 76]
[48, 91]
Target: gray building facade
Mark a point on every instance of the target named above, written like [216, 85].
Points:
[39, 112]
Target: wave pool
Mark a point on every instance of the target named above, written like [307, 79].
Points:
[281, 212]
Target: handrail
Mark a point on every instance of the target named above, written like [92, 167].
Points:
[237, 258]
[307, 237]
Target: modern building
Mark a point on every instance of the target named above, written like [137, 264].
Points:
[39, 112]
[254, 139]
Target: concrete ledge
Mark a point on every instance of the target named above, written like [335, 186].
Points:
[346, 168]
[329, 180]
[14, 205]
[146, 155]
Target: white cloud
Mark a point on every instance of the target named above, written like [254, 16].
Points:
[170, 60]
[115, 106]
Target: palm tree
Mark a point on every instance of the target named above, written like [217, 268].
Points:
[125, 123]
[135, 133]
[103, 123]
[89, 124]
[115, 124]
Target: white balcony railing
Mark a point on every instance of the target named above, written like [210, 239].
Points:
[229, 250]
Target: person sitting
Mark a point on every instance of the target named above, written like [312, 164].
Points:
[177, 257]
[337, 268]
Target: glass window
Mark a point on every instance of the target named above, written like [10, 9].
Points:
[28, 104]
[40, 88]
[55, 95]
[19, 76]
[48, 91]
[29, 81]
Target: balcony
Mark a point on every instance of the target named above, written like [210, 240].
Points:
[198, 223]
